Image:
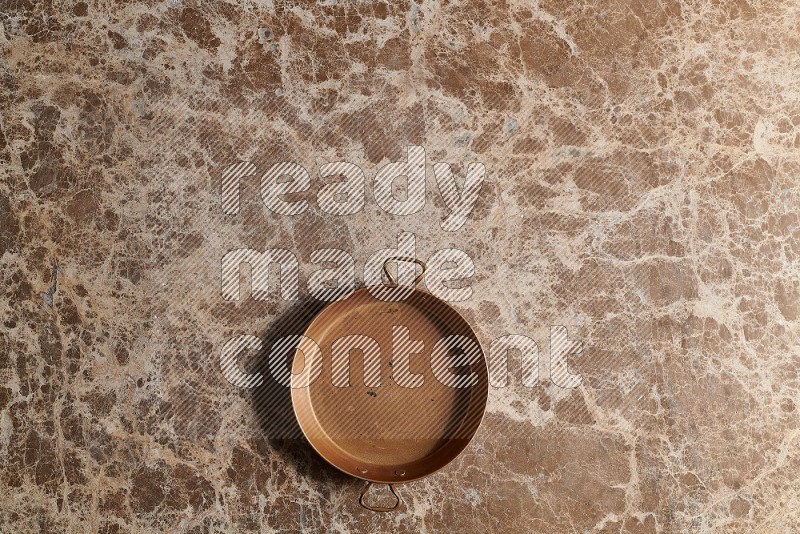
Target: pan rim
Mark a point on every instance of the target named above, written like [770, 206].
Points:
[459, 449]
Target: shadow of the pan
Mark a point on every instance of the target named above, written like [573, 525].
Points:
[272, 402]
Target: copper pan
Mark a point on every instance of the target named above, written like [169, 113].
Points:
[392, 418]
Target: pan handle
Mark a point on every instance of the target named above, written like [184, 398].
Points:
[392, 280]
[378, 508]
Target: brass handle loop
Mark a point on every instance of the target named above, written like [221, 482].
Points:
[378, 508]
[392, 280]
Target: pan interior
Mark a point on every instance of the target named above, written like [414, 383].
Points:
[390, 427]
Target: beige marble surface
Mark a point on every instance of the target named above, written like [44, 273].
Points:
[642, 190]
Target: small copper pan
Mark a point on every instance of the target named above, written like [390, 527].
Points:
[399, 388]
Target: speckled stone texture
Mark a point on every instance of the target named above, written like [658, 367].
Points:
[642, 190]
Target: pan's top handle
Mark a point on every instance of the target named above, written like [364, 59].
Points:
[378, 508]
[392, 280]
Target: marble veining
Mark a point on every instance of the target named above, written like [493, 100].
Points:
[642, 190]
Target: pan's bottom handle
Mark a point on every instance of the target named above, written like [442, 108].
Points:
[378, 508]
